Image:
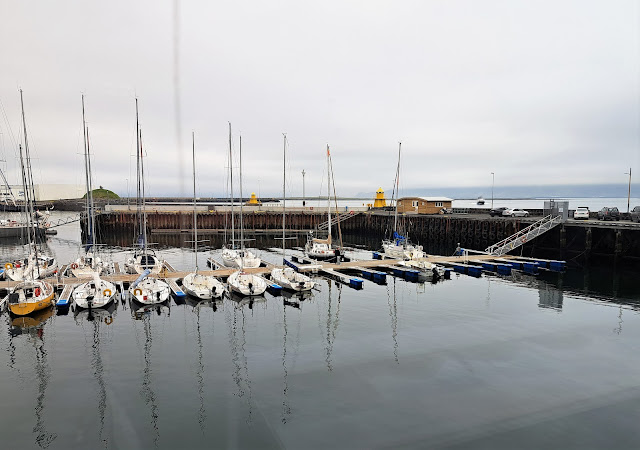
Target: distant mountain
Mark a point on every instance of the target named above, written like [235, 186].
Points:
[548, 191]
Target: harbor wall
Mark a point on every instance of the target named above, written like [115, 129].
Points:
[580, 242]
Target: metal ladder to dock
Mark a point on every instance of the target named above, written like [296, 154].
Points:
[334, 220]
[526, 234]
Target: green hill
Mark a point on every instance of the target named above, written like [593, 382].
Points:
[103, 193]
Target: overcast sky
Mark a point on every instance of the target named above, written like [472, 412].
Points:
[539, 92]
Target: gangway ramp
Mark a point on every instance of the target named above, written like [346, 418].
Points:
[525, 235]
[337, 219]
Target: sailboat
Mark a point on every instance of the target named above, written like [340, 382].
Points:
[31, 294]
[241, 257]
[399, 246]
[143, 259]
[144, 290]
[242, 282]
[204, 287]
[286, 276]
[89, 263]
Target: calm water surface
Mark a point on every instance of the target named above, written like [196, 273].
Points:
[517, 362]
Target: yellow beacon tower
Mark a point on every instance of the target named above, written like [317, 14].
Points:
[379, 201]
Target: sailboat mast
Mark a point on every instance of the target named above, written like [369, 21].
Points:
[233, 226]
[241, 202]
[284, 195]
[29, 192]
[396, 190]
[328, 197]
[138, 190]
[195, 217]
[144, 206]
[91, 205]
[86, 175]
[26, 196]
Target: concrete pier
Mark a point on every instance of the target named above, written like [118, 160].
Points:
[586, 241]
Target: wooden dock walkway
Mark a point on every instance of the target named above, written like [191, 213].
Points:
[225, 272]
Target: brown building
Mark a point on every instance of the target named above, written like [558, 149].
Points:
[423, 205]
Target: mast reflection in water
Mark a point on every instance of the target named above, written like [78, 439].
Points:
[32, 328]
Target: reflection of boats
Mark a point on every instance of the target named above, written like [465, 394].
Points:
[297, 296]
[105, 315]
[33, 328]
[242, 300]
[333, 319]
[148, 394]
[198, 304]
[237, 344]
[25, 324]
[139, 311]
[399, 246]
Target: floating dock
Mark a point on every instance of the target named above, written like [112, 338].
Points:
[374, 270]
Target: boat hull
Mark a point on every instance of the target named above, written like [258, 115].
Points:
[202, 287]
[246, 284]
[23, 307]
[150, 291]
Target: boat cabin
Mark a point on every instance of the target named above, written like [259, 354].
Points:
[423, 205]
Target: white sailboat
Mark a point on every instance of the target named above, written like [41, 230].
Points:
[147, 291]
[143, 259]
[241, 281]
[286, 276]
[321, 248]
[203, 287]
[31, 294]
[231, 256]
[399, 246]
[89, 263]
[37, 264]
[96, 293]
[428, 269]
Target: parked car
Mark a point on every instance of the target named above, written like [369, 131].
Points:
[581, 213]
[497, 211]
[635, 214]
[608, 213]
[515, 212]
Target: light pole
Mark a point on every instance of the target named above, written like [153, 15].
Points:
[629, 193]
[493, 182]
[128, 200]
[303, 196]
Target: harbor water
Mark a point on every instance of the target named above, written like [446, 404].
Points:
[547, 361]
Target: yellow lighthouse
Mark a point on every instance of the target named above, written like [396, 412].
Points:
[379, 201]
[253, 200]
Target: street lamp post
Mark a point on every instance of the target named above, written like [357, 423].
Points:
[303, 196]
[629, 192]
[493, 182]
